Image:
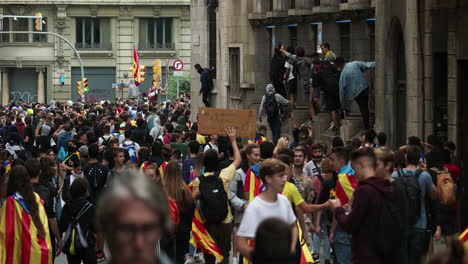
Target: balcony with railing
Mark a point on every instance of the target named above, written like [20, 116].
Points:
[327, 6]
[93, 46]
[348, 5]
[156, 46]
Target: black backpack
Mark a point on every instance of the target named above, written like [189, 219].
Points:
[105, 142]
[411, 184]
[329, 79]
[271, 106]
[213, 198]
[76, 238]
[387, 236]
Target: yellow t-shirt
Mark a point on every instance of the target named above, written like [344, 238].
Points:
[201, 139]
[292, 193]
[226, 175]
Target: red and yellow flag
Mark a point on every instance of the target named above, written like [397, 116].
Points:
[345, 186]
[19, 240]
[202, 240]
[136, 67]
[162, 169]
[464, 238]
[253, 184]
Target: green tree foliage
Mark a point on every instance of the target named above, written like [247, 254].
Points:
[184, 86]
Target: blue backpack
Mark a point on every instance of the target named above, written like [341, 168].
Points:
[63, 140]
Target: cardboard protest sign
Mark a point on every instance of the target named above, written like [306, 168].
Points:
[213, 121]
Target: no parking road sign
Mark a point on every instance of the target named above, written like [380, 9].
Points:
[178, 65]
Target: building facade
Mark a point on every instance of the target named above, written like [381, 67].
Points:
[237, 37]
[422, 72]
[43, 68]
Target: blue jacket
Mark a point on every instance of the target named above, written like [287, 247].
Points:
[353, 81]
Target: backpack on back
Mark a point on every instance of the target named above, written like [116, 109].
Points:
[271, 106]
[446, 187]
[74, 238]
[105, 142]
[213, 198]
[387, 237]
[411, 185]
[330, 79]
[131, 151]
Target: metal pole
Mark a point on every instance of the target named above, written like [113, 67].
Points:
[178, 86]
[58, 36]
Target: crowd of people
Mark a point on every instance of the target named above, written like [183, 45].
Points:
[134, 175]
[329, 83]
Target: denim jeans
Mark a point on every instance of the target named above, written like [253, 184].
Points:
[326, 243]
[417, 245]
[342, 245]
[58, 206]
[275, 126]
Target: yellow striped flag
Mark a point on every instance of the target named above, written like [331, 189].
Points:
[345, 186]
[464, 238]
[306, 257]
[202, 240]
[7, 166]
[162, 169]
[19, 240]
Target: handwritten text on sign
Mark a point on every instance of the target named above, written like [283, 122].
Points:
[213, 121]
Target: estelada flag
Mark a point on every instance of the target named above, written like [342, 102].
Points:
[136, 67]
[464, 238]
[19, 240]
[253, 184]
[7, 166]
[345, 185]
[202, 240]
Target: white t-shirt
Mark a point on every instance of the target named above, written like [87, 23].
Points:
[259, 210]
[289, 66]
[213, 146]
[312, 169]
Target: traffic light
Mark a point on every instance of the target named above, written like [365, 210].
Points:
[85, 85]
[38, 22]
[79, 88]
[141, 74]
[157, 73]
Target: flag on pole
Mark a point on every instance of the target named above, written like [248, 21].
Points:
[136, 67]
[464, 238]
[345, 185]
[202, 240]
[19, 239]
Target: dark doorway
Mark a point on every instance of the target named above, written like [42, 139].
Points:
[400, 87]
[212, 33]
[439, 97]
[462, 131]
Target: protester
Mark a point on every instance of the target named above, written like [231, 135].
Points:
[132, 212]
[268, 204]
[218, 221]
[327, 53]
[206, 81]
[354, 86]
[80, 210]
[270, 106]
[23, 221]
[417, 242]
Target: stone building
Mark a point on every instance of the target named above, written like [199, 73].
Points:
[237, 37]
[42, 68]
[422, 71]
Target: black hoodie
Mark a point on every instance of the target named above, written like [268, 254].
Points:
[70, 210]
[367, 200]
